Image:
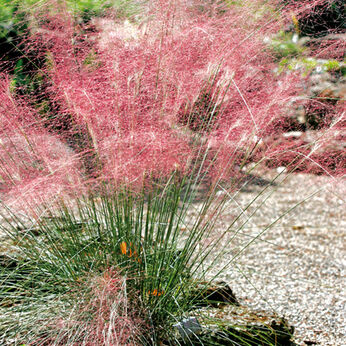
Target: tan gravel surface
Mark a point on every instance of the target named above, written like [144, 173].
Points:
[297, 267]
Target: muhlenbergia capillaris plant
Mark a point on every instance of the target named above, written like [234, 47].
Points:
[112, 160]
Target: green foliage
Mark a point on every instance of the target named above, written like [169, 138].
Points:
[88, 8]
[308, 64]
[147, 237]
[138, 235]
[91, 62]
[334, 65]
[283, 46]
[22, 79]
[7, 17]
[15, 14]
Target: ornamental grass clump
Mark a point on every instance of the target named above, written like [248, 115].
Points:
[103, 165]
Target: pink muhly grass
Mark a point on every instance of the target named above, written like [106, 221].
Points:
[105, 315]
[129, 97]
[35, 165]
[136, 96]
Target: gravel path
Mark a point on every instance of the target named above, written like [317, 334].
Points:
[298, 266]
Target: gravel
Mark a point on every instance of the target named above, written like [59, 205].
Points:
[297, 267]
